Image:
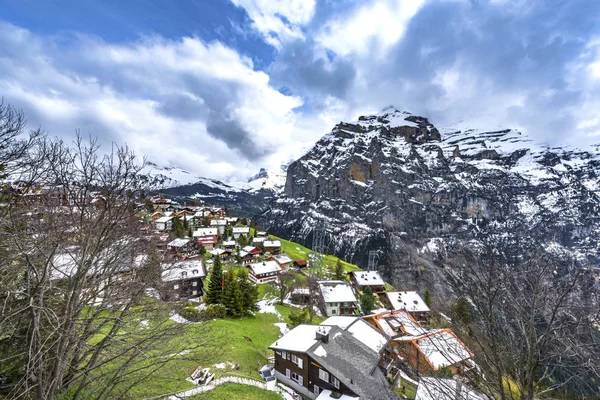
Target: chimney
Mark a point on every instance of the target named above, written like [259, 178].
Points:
[322, 334]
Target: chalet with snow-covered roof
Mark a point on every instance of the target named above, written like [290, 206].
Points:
[264, 271]
[428, 352]
[209, 242]
[363, 279]
[163, 223]
[182, 247]
[183, 279]
[220, 224]
[396, 323]
[330, 362]
[156, 215]
[240, 231]
[262, 234]
[409, 301]
[257, 240]
[218, 252]
[283, 260]
[272, 246]
[300, 296]
[199, 232]
[337, 298]
[229, 244]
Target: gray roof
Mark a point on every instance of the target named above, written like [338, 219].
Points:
[353, 363]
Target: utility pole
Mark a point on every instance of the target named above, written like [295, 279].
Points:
[372, 266]
[316, 264]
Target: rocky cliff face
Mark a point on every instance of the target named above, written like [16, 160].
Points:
[395, 183]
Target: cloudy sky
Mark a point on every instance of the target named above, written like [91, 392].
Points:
[224, 87]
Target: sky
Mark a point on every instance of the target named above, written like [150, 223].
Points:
[224, 87]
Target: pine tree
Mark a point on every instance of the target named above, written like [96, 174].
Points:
[338, 272]
[462, 311]
[232, 298]
[427, 298]
[298, 316]
[242, 241]
[367, 301]
[249, 292]
[202, 249]
[215, 288]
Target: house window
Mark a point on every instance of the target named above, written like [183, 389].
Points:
[297, 361]
[298, 378]
[176, 287]
[284, 354]
[335, 382]
[184, 274]
[333, 312]
[323, 375]
[194, 283]
[194, 292]
[316, 390]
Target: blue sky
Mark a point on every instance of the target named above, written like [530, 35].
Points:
[222, 88]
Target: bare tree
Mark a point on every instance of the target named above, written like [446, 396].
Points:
[286, 282]
[533, 328]
[75, 316]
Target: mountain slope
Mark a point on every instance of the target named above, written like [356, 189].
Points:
[250, 197]
[396, 183]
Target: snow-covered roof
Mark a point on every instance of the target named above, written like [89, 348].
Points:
[328, 395]
[272, 243]
[217, 252]
[65, 265]
[188, 269]
[283, 258]
[218, 222]
[301, 338]
[341, 321]
[258, 240]
[178, 242]
[336, 292]
[229, 243]
[368, 278]
[261, 233]
[243, 253]
[265, 267]
[368, 335]
[444, 389]
[241, 229]
[205, 232]
[442, 348]
[409, 301]
[163, 219]
[206, 239]
[249, 248]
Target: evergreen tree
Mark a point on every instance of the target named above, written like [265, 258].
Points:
[215, 284]
[249, 292]
[243, 241]
[298, 316]
[462, 311]
[149, 205]
[232, 296]
[427, 298]
[178, 228]
[367, 301]
[190, 233]
[202, 249]
[338, 272]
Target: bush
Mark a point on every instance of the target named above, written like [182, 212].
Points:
[214, 311]
[190, 313]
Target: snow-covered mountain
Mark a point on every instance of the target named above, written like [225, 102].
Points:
[396, 183]
[251, 196]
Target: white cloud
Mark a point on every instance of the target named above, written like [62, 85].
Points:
[278, 20]
[377, 24]
[156, 95]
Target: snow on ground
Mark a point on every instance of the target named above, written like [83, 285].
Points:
[178, 318]
[223, 365]
[144, 322]
[282, 327]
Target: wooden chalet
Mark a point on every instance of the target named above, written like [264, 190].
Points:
[328, 362]
[363, 279]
